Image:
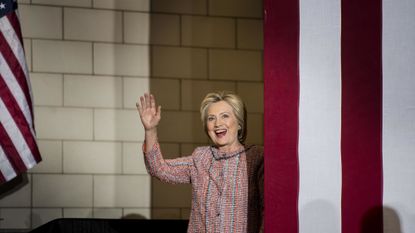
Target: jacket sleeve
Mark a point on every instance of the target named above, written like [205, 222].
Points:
[174, 171]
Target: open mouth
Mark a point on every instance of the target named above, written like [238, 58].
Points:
[220, 133]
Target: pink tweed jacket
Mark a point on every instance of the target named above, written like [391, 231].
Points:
[227, 189]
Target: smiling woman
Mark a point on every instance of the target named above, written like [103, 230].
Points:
[226, 177]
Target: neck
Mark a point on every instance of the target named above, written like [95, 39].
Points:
[229, 148]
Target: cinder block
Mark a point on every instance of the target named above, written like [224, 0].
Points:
[167, 92]
[92, 25]
[62, 190]
[121, 191]
[41, 21]
[170, 196]
[137, 27]
[166, 213]
[208, 31]
[250, 34]
[81, 3]
[133, 159]
[193, 92]
[136, 213]
[133, 89]
[131, 5]
[181, 127]
[62, 56]
[47, 89]
[15, 218]
[92, 157]
[128, 60]
[198, 7]
[23, 1]
[117, 125]
[107, 213]
[179, 62]
[165, 29]
[41, 216]
[14, 194]
[51, 152]
[235, 65]
[93, 91]
[237, 8]
[63, 123]
[253, 96]
[77, 213]
[255, 129]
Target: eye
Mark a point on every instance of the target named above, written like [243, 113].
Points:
[225, 116]
[210, 118]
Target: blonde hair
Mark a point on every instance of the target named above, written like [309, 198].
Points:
[235, 102]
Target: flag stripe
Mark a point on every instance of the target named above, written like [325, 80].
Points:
[15, 64]
[281, 91]
[361, 130]
[398, 115]
[6, 169]
[14, 22]
[319, 117]
[20, 122]
[11, 83]
[15, 135]
[10, 150]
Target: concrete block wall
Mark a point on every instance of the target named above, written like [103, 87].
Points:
[89, 60]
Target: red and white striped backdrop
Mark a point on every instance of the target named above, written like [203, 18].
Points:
[339, 116]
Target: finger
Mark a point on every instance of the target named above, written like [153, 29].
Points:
[152, 101]
[147, 99]
[140, 111]
[158, 113]
[143, 103]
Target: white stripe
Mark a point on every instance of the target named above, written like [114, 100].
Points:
[5, 166]
[399, 115]
[16, 136]
[16, 90]
[14, 43]
[320, 113]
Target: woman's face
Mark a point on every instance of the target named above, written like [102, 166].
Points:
[222, 126]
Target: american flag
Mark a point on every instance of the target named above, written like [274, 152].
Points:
[18, 147]
[339, 116]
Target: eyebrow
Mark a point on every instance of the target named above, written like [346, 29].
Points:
[219, 113]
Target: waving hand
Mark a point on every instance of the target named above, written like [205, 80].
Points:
[150, 115]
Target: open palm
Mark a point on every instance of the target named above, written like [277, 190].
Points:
[150, 115]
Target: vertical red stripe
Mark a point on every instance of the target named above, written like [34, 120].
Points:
[281, 93]
[361, 116]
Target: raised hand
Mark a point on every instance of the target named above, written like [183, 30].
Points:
[150, 115]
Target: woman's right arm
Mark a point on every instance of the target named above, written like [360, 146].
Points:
[171, 171]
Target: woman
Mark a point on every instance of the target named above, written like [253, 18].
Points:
[227, 177]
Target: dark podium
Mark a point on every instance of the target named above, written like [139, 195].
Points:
[82, 225]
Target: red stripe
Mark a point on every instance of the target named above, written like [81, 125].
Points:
[19, 119]
[361, 144]
[281, 96]
[17, 70]
[11, 152]
[14, 21]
